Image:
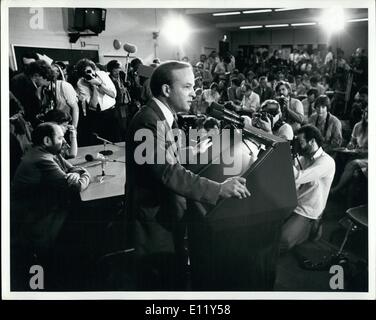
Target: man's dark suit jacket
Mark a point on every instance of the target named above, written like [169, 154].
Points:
[26, 92]
[156, 193]
[40, 197]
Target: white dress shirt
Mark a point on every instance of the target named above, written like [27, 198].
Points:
[84, 91]
[313, 183]
[166, 111]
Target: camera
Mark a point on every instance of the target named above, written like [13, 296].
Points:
[263, 115]
[295, 147]
[88, 76]
[282, 102]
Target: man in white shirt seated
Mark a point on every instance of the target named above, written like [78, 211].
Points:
[250, 102]
[314, 172]
[97, 93]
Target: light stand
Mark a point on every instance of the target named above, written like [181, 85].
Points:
[126, 67]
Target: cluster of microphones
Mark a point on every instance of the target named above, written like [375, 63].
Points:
[224, 113]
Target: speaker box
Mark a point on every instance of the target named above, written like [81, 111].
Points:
[93, 19]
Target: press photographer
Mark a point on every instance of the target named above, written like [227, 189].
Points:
[270, 120]
[97, 93]
[314, 172]
[292, 109]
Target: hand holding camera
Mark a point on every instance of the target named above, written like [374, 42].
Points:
[283, 102]
[92, 78]
[263, 121]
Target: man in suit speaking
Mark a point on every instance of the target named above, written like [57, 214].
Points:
[156, 190]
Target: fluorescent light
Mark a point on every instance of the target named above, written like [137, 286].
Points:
[231, 13]
[287, 9]
[250, 27]
[358, 20]
[303, 24]
[257, 11]
[276, 25]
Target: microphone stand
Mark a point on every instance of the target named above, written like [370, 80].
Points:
[103, 176]
[102, 167]
[105, 141]
[104, 151]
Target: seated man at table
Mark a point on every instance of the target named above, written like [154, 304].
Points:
[42, 193]
[64, 119]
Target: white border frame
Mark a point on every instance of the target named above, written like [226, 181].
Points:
[7, 294]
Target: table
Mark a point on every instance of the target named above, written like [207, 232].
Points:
[113, 183]
[354, 152]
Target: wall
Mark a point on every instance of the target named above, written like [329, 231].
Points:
[354, 36]
[130, 25]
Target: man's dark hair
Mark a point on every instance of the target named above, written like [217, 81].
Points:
[30, 55]
[113, 64]
[45, 129]
[311, 132]
[57, 116]
[227, 59]
[313, 91]
[40, 67]
[247, 86]
[163, 75]
[323, 100]
[263, 78]
[135, 63]
[61, 64]
[235, 81]
[211, 123]
[283, 83]
[82, 64]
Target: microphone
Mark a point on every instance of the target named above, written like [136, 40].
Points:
[100, 157]
[220, 112]
[130, 48]
[97, 157]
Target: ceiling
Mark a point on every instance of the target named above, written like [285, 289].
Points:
[233, 22]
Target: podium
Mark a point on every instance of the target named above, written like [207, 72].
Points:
[233, 245]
